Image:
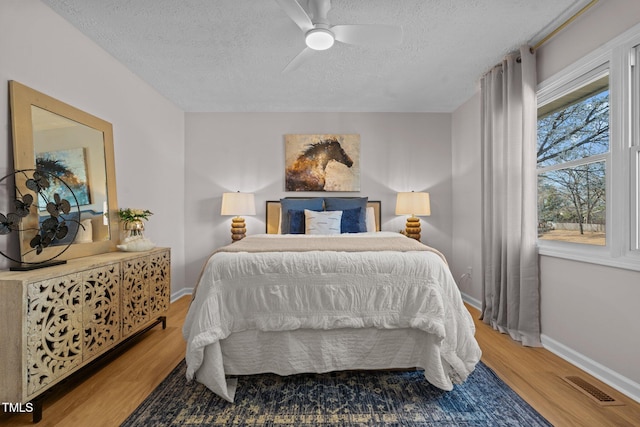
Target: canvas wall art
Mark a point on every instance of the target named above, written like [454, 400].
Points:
[323, 162]
[71, 167]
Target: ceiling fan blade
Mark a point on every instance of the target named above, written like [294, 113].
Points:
[368, 34]
[298, 60]
[293, 9]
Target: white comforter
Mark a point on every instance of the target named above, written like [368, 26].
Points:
[285, 291]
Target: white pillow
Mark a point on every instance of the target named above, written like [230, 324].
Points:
[371, 219]
[326, 222]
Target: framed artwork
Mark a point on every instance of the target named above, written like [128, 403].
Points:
[323, 162]
[70, 166]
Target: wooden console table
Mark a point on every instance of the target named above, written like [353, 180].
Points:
[55, 320]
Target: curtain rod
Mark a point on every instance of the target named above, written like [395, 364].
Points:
[561, 27]
[565, 24]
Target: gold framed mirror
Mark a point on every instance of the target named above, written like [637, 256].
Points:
[49, 132]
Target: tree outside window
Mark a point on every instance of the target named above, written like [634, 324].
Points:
[573, 148]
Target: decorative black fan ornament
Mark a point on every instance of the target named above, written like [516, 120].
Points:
[49, 231]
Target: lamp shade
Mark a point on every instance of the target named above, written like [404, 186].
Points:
[412, 203]
[238, 204]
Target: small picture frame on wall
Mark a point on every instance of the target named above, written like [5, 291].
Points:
[322, 162]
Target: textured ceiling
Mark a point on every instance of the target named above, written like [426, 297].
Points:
[227, 55]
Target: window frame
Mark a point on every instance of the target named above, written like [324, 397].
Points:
[621, 57]
[634, 152]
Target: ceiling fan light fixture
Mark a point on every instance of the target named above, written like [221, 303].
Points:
[319, 39]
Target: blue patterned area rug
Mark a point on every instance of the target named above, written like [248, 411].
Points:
[352, 398]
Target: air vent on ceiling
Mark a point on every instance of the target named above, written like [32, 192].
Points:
[592, 391]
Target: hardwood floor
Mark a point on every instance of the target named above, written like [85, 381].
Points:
[116, 386]
[536, 375]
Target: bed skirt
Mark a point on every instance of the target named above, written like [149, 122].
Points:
[316, 351]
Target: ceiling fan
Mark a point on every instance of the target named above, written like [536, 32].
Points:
[320, 35]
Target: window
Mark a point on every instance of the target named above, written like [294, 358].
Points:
[588, 163]
[573, 151]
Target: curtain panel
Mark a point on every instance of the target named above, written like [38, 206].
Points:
[511, 290]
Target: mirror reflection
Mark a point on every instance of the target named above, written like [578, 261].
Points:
[74, 153]
[76, 147]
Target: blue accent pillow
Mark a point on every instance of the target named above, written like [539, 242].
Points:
[350, 222]
[296, 222]
[314, 204]
[342, 204]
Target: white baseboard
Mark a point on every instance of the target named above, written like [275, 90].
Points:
[181, 293]
[619, 382]
[475, 303]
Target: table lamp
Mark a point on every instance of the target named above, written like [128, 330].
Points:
[238, 204]
[412, 203]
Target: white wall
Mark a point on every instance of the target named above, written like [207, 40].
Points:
[245, 152]
[467, 190]
[589, 312]
[601, 23]
[41, 50]
[592, 310]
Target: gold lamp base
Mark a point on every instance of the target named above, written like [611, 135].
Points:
[238, 229]
[413, 227]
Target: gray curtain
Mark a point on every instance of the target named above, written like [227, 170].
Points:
[511, 291]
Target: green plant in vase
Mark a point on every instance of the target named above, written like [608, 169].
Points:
[133, 220]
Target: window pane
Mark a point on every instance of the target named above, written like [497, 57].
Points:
[575, 126]
[571, 204]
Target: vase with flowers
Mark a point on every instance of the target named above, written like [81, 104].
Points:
[133, 221]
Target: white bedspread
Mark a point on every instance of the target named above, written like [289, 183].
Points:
[285, 291]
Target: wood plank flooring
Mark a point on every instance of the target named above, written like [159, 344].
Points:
[536, 375]
[115, 387]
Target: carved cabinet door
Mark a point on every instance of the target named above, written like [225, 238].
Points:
[135, 294]
[101, 318]
[54, 330]
[160, 282]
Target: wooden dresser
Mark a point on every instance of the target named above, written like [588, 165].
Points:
[55, 320]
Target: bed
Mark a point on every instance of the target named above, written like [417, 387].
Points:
[294, 303]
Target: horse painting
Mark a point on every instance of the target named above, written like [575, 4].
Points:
[308, 171]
